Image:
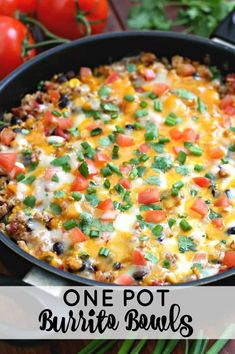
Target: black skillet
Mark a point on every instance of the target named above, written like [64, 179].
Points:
[104, 49]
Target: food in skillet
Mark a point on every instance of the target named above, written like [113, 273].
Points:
[124, 174]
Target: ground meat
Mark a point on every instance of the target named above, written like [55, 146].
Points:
[3, 209]
[147, 58]
[171, 257]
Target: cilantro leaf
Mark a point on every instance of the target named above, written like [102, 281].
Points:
[162, 163]
[186, 244]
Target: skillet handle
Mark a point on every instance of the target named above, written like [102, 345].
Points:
[225, 32]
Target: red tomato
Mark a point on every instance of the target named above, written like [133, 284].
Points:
[94, 125]
[202, 181]
[218, 222]
[185, 69]
[144, 148]
[79, 184]
[216, 153]
[189, 135]
[91, 168]
[149, 196]
[9, 7]
[64, 19]
[54, 95]
[155, 216]
[27, 6]
[12, 34]
[101, 159]
[6, 136]
[112, 78]
[227, 105]
[138, 258]
[160, 88]
[76, 235]
[64, 123]
[222, 202]
[125, 183]
[229, 259]
[50, 172]
[106, 205]
[7, 160]
[175, 134]
[200, 207]
[124, 140]
[124, 279]
[16, 170]
[60, 132]
[149, 74]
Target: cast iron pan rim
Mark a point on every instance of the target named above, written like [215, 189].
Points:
[15, 248]
[100, 37]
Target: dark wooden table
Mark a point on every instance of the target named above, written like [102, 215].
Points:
[117, 22]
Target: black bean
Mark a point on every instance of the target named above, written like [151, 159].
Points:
[88, 266]
[117, 265]
[139, 274]
[58, 248]
[14, 120]
[70, 74]
[63, 101]
[61, 79]
[196, 76]
[229, 193]
[17, 130]
[129, 126]
[27, 159]
[231, 230]
[215, 193]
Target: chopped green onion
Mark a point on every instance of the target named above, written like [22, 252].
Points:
[20, 177]
[158, 106]
[181, 157]
[94, 233]
[83, 169]
[157, 230]
[185, 226]
[70, 224]
[141, 113]
[107, 184]
[198, 168]
[115, 152]
[55, 208]
[143, 104]
[104, 252]
[30, 201]
[76, 196]
[129, 98]
[29, 180]
[195, 150]
[106, 171]
[114, 168]
[96, 131]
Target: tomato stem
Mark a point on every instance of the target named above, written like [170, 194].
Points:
[44, 43]
[28, 20]
[81, 19]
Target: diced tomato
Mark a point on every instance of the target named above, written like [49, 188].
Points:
[112, 78]
[149, 196]
[185, 69]
[79, 184]
[101, 159]
[126, 169]
[225, 121]
[160, 88]
[61, 133]
[200, 207]
[189, 135]
[7, 136]
[125, 183]
[202, 181]
[124, 140]
[16, 170]
[48, 118]
[54, 95]
[124, 279]
[50, 172]
[175, 134]
[154, 216]
[91, 168]
[95, 124]
[144, 148]
[106, 205]
[76, 235]
[216, 153]
[230, 79]
[64, 123]
[138, 258]
[229, 259]
[109, 215]
[149, 74]
[200, 257]
[227, 105]
[218, 222]
[222, 202]
[7, 160]
[85, 73]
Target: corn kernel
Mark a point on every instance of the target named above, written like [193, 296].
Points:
[73, 83]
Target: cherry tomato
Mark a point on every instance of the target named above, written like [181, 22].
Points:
[12, 34]
[9, 7]
[7, 160]
[63, 18]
